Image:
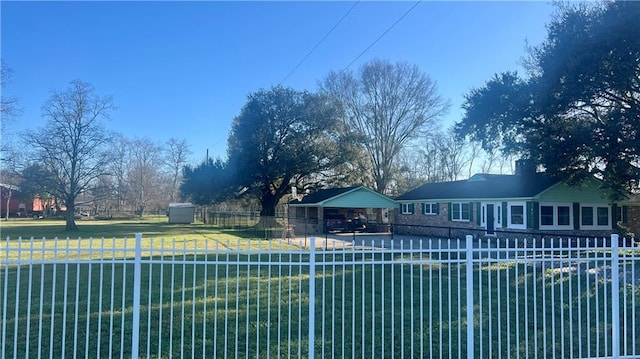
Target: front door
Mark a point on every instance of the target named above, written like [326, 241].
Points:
[490, 217]
[490, 225]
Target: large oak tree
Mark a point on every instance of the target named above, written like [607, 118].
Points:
[281, 137]
[577, 113]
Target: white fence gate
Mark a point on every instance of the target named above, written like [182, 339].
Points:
[402, 298]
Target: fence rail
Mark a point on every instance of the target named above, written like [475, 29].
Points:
[378, 298]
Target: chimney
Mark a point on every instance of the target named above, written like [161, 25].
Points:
[525, 167]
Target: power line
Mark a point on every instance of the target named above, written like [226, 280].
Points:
[319, 42]
[383, 34]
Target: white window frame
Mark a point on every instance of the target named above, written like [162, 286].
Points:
[512, 225]
[453, 211]
[432, 208]
[595, 225]
[555, 224]
[405, 208]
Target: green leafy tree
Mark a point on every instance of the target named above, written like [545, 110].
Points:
[36, 183]
[73, 148]
[281, 138]
[207, 183]
[577, 113]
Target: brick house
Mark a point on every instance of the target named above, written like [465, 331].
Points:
[488, 205]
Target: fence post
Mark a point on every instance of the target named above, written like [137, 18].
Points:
[470, 346]
[312, 294]
[137, 267]
[615, 296]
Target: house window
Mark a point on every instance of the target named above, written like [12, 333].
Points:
[555, 216]
[587, 216]
[516, 215]
[407, 208]
[429, 208]
[460, 211]
[546, 215]
[595, 217]
[603, 216]
[564, 215]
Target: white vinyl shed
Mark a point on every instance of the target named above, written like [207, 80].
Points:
[181, 213]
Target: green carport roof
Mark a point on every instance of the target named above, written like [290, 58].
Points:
[348, 197]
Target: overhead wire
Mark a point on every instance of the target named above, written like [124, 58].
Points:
[383, 34]
[319, 42]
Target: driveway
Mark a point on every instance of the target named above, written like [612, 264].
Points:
[377, 240]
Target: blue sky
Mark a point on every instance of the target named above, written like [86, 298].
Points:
[184, 69]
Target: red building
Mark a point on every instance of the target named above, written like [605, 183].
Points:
[12, 200]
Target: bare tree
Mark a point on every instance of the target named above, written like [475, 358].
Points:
[440, 156]
[73, 147]
[475, 149]
[175, 158]
[387, 105]
[119, 169]
[143, 177]
[454, 154]
[8, 110]
[8, 104]
[489, 161]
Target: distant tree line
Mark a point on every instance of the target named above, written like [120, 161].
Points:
[74, 157]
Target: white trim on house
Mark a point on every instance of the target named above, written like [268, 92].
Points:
[406, 208]
[561, 219]
[497, 216]
[431, 206]
[595, 208]
[521, 216]
[460, 217]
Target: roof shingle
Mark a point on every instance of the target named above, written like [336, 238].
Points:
[484, 186]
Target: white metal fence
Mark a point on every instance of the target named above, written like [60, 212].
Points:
[401, 298]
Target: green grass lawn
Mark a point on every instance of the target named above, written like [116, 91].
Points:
[120, 234]
[204, 307]
[392, 310]
[149, 226]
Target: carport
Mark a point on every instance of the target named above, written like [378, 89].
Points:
[314, 210]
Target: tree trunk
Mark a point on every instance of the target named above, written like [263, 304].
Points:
[8, 202]
[268, 211]
[70, 217]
